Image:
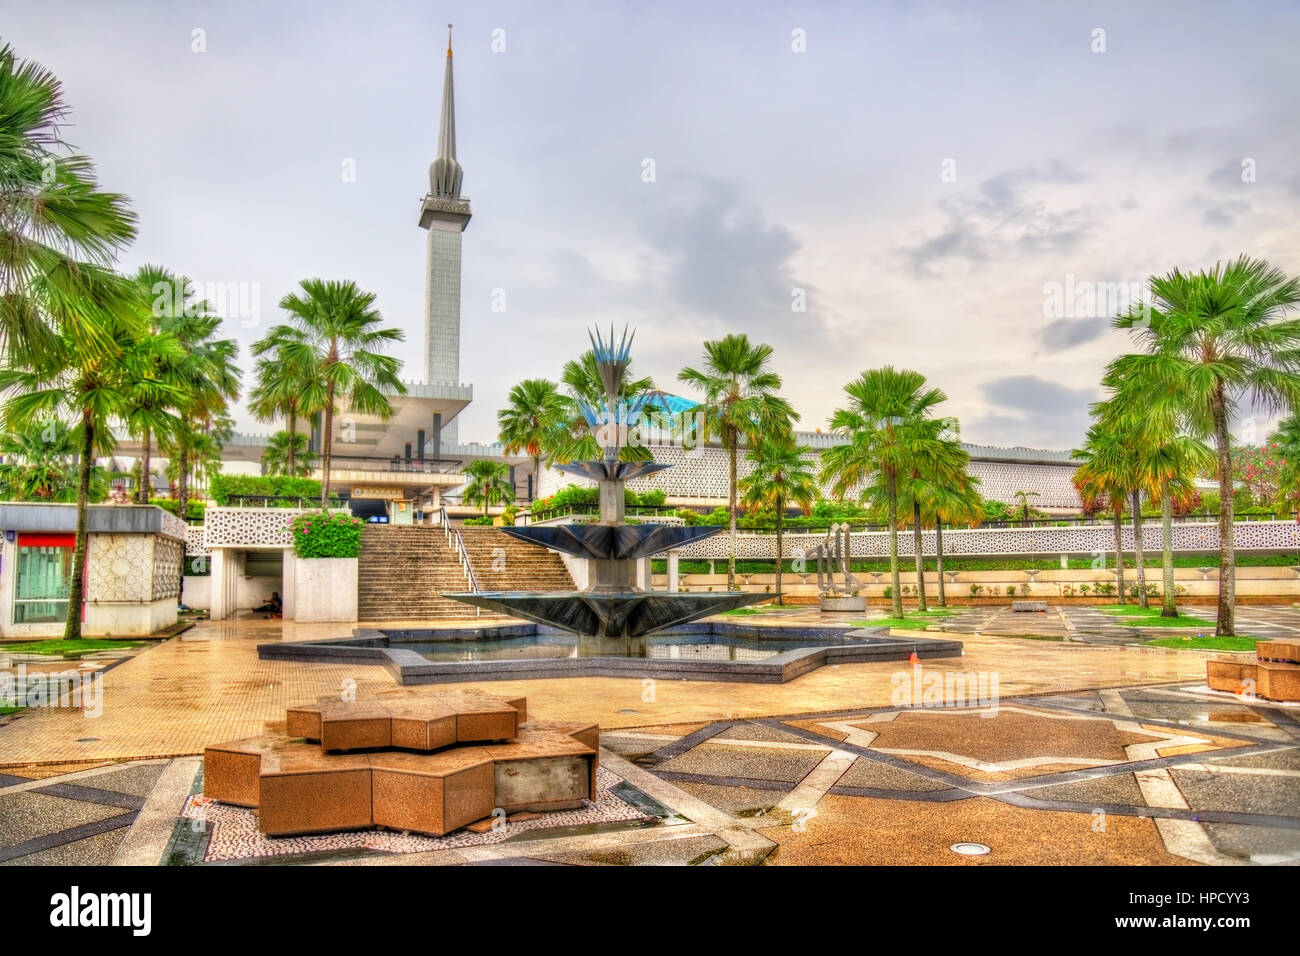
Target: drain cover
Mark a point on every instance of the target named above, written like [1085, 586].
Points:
[627, 710]
[87, 740]
[969, 849]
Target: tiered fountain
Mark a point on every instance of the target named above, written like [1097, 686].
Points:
[612, 615]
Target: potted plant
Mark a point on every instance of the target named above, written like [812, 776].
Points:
[326, 546]
[835, 600]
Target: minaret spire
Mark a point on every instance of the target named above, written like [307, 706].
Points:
[445, 173]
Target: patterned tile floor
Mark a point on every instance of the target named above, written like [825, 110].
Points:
[1151, 775]
[232, 832]
[207, 685]
[1080, 754]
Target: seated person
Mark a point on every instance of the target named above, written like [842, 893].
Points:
[274, 606]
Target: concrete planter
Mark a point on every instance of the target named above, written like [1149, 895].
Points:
[843, 604]
[324, 589]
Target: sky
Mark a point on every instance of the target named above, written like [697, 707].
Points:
[939, 186]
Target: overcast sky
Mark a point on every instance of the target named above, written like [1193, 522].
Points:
[921, 172]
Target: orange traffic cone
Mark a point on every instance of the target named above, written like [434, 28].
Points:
[914, 659]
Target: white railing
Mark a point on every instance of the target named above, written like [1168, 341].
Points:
[1076, 540]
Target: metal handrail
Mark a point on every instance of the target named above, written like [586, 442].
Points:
[465, 565]
[282, 501]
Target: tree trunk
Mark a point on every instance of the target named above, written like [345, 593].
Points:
[327, 446]
[1169, 608]
[537, 477]
[1137, 550]
[731, 506]
[293, 435]
[780, 508]
[920, 556]
[183, 478]
[142, 493]
[938, 557]
[1226, 624]
[1119, 548]
[77, 586]
[896, 589]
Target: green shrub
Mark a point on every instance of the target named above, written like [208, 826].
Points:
[481, 521]
[326, 534]
[222, 487]
[194, 509]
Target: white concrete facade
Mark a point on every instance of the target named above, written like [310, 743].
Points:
[325, 589]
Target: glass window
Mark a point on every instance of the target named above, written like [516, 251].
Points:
[41, 591]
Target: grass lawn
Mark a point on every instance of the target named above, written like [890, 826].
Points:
[911, 620]
[1210, 643]
[85, 645]
[1150, 617]
[6, 710]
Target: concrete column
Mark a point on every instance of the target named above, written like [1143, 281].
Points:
[1065, 563]
[672, 569]
[643, 579]
[225, 583]
[287, 580]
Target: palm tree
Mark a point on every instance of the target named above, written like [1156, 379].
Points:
[284, 389]
[1286, 439]
[531, 420]
[40, 464]
[1215, 336]
[1023, 497]
[939, 489]
[886, 411]
[581, 379]
[164, 299]
[207, 382]
[781, 477]
[287, 453]
[339, 337]
[740, 403]
[489, 484]
[1166, 455]
[61, 231]
[76, 379]
[1118, 450]
[1104, 475]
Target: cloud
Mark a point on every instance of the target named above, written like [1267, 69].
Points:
[1065, 334]
[1001, 219]
[1221, 215]
[722, 258]
[1029, 410]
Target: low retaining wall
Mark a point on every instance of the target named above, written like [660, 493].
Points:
[408, 667]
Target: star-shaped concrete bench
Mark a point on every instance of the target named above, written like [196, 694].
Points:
[1275, 671]
[425, 723]
[424, 764]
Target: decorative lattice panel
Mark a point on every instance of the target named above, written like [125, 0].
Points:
[194, 541]
[248, 527]
[167, 558]
[702, 473]
[119, 567]
[173, 527]
[976, 542]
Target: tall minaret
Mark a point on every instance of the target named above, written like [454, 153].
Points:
[445, 213]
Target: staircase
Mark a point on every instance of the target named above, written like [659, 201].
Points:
[503, 563]
[403, 571]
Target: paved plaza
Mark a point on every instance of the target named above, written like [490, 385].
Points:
[1088, 749]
